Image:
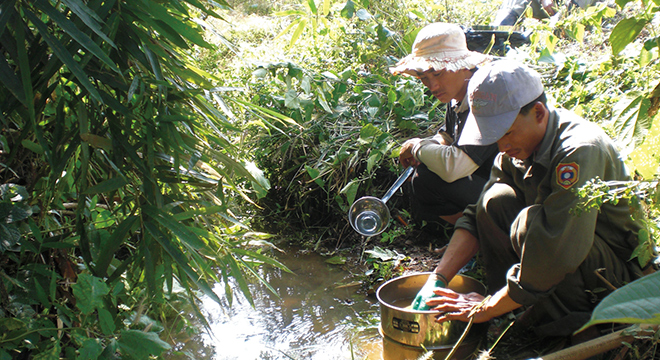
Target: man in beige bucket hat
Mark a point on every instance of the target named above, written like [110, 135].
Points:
[448, 177]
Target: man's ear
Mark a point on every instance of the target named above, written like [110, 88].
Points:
[539, 111]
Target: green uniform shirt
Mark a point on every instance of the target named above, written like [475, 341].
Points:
[550, 242]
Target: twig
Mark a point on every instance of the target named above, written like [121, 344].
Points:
[607, 283]
[467, 328]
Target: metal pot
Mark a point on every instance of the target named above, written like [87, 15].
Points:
[418, 329]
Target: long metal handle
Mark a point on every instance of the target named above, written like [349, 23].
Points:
[397, 184]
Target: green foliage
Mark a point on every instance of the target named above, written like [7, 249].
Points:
[384, 263]
[14, 209]
[120, 177]
[642, 199]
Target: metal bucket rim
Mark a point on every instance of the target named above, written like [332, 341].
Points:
[396, 279]
[402, 277]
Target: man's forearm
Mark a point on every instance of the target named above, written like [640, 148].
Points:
[462, 247]
[498, 305]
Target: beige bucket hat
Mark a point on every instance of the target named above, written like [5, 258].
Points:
[439, 46]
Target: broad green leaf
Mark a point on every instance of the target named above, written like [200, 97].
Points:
[260, 73]
[631, 121]
[351, 190]
[70, 28]
[9, 236]
[634, 303]
[324, 102]
[106, 186]
[106, 321]
[314, 174]
[91, 349]
[63, 54]
[260, 183]
[18, 211]
[622, 3]
[136, 344]
[349, 9]
[89, 292]
[368, 132]
[291, 100]
[306, 84]
[11, 324]
[625, 32]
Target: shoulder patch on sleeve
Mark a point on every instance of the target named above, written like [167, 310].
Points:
[567, 174]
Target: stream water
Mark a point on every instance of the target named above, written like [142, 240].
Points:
[319, 314]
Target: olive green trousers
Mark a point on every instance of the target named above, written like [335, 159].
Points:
[567, 306]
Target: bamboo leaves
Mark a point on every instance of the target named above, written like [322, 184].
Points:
[83, 39]
[128, 159]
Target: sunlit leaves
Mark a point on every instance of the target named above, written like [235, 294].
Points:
[625, 32]
[348, 10]
[127, 153]
[645, 250]
[631, 121]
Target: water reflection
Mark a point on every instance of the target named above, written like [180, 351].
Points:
[316, 317]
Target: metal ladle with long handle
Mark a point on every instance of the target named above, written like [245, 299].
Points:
[370, 215]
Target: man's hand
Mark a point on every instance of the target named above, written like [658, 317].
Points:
[434, 282]
[457, 306]
[406, 157]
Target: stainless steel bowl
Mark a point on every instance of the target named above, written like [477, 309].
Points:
[418, 328]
